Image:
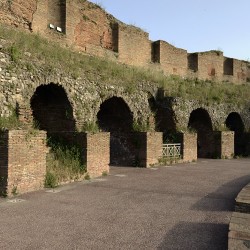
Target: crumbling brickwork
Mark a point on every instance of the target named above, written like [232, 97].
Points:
[188, 146]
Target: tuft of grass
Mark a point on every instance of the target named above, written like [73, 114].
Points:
[90, 127]
[11, 122]
[64, 163]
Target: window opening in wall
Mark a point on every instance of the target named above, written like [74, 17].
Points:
[57, 15]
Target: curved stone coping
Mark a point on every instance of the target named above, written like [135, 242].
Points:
[239, 227]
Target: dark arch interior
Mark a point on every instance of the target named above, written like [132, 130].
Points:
[115, 117]
[52, 109]
[200, 121]
[164, 119]
[235, 123]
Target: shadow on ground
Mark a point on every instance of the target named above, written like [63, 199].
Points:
[190, 235]
[223, 199]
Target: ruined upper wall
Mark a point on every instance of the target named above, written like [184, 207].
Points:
[90, 29]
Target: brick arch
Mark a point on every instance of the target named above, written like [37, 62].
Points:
[235, 123]
[52, 109]
[116, 117]
[201, 122]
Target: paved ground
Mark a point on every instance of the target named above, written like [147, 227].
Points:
[186, 206]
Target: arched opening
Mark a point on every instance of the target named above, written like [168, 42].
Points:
[200, 121]
[115, 117]
[235, 123]
[164, 119]
[52, 109]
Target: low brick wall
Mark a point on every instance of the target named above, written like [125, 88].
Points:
[188, 146]
[224, 144]
[22, 161]
[95, 149]
[97, 153]
[148, 148]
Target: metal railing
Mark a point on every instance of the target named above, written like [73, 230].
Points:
[171, 150]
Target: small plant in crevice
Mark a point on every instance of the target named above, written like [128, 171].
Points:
[14, 191]
[141, 126]
[64, 162]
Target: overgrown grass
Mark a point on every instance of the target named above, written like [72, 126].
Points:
[10, 122]
[47, 57]
[64, 163]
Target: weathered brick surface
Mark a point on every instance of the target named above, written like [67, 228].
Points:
[134, 46]
[148, 147]
[98, 153]
[23, 160]
[188, 146]
[173, 60]
[224, 144]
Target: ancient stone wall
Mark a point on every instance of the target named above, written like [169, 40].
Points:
[22, 161]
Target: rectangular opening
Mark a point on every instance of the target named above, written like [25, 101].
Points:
[155, 52]
[193, 62]
[228, 66]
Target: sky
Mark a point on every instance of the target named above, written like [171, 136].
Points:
[194, 25]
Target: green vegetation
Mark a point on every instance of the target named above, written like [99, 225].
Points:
[36, 54]
[90, 127]
[10, 122]
[64, 163]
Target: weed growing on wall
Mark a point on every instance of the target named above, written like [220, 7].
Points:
[10, 122]
[64, 163]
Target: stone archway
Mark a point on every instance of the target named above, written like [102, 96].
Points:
[115, 117]
[235, 123]
[52, 110]
[200, 121]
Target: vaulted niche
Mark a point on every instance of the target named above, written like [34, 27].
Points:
[200, 121]
[52, 109]
[235, 123]
[57, 14]
[115, 117]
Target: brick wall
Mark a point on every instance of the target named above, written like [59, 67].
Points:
[90, 28]
[134, 47]
[210, 65]
[148, 148]
[23, 160]
[98, 153]
[95, 149]
[224, 144]
[188, 146]
[173, 60]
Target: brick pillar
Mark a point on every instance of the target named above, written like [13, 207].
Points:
[97, 153]
[148, 148]
[224, 144]
[189, 146]
[23, 160]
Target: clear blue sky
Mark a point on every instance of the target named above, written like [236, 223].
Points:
[194, 25]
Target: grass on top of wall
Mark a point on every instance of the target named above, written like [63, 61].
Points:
[36, 54]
